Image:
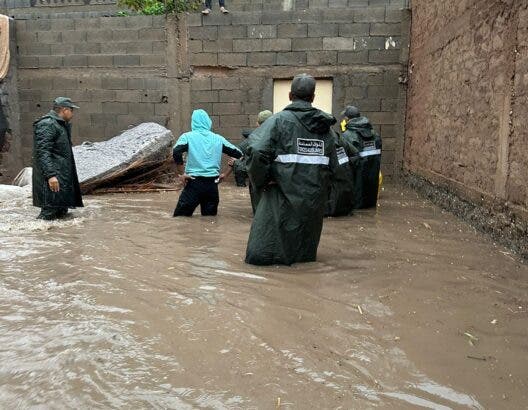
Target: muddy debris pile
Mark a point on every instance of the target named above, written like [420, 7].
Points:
[136, 157]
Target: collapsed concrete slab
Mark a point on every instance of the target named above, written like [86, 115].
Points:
[135, 151]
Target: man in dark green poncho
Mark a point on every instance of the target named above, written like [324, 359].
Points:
[55, 182]
[367, 164]
[238, 166]
[290, 159]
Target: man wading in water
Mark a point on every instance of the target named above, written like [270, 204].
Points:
[239, 165]
[202, 172]
[290, 159]
[55, 182]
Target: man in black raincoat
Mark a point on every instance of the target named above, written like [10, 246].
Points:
[367, 164]
[239, 165]
[290, 159]
[341, 197]
[55, 182]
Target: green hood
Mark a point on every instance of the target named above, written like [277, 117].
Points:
[311, 118]
[361, 125]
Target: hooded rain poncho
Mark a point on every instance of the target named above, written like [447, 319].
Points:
[290, 159]
[367, 164]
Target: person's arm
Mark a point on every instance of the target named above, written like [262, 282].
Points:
[229, 171]
[377, 139]
[348, 145]
[260, 153]
[44, 140]
[181, 146]
[230, 150]
[230, 164]
[333, 147]
[180, 169]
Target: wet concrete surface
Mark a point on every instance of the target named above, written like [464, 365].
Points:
[126, 307]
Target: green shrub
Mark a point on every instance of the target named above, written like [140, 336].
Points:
[157, 7]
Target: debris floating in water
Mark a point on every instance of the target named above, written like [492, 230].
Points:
[477, 358]
[471, 339]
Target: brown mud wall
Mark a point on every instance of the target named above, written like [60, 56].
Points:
[466, 116]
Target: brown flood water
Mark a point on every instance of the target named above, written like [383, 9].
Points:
[126, 307]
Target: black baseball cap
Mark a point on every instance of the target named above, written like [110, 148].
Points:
[350, 112]
[64, 102]
[303, 86]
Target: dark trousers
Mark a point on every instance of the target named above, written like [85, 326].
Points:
[50, 214]
[221, 3]
[201, 191]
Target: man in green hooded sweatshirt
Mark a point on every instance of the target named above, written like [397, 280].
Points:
[367, 164]
[290, 159]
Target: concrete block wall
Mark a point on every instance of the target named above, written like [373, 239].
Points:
[40, 7]
[46, 8]
[113, 67]
[259, 5]
[467, 99]
[126, 70]
[235, 59]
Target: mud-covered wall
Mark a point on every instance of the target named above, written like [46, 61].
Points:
[466, 119]
[11, 157]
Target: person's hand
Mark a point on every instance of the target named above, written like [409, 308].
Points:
[220, 178]
[53, 183]
[184, 178]
[231, 162]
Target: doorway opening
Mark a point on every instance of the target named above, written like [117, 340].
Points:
[323, 95]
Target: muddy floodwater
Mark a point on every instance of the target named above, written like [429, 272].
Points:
[126, 307]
